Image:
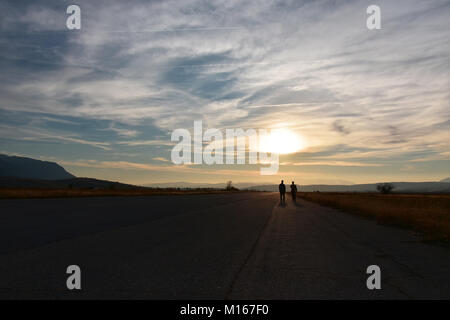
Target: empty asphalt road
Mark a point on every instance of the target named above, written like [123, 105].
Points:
[217, 246]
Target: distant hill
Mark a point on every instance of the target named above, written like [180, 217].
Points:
[425, 187]
[191, 185]
[75, 183]
[445, 180]
[20, 167]
[416, 187]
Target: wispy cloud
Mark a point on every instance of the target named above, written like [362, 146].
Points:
[147, 68]
[40, 135]
[161, 159]
[334, 164]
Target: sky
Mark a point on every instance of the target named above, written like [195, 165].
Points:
[103, 101]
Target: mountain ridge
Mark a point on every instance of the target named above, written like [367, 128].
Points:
[22, 172]
[29, 168]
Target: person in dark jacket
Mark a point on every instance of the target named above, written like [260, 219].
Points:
[293, 191]
[282, 189]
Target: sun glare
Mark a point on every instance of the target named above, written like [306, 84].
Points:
[281, 141]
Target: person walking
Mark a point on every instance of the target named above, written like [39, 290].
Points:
[293, 191]
[282, 189]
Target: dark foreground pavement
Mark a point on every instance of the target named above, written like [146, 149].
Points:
[229, 246]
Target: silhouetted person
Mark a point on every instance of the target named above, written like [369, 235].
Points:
[282, 189]
[293, 191]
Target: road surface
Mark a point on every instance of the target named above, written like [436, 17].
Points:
[216, 246]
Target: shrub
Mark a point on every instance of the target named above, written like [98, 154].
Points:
[385, 188]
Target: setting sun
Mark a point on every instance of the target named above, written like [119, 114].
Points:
[281, 141]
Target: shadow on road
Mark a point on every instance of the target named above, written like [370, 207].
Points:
[297, 204]
[284, 205]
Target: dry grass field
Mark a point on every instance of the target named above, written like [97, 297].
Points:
[7, 193]
[428, 214]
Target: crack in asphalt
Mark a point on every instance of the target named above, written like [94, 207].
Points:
[250, 253]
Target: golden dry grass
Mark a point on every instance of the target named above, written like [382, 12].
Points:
[428, 214]
[7, 193]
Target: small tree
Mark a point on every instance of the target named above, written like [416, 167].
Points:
[385, 188]
[229, 186]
